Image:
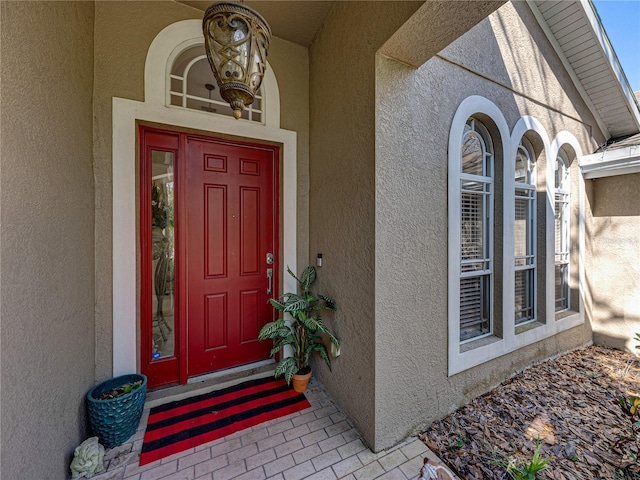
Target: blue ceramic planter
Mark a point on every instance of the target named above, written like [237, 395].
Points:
[113, 421]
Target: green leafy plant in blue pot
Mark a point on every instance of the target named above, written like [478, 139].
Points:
[115, 407]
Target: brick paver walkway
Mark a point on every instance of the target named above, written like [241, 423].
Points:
[319, 443]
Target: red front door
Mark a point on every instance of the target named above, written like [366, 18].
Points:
[230, 232]
[203, 311]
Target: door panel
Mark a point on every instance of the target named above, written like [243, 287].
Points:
[230, 227]
[250, 231]
[215, 332]
[215, 230]
[250, 315]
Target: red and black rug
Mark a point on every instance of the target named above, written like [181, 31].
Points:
[177, 426]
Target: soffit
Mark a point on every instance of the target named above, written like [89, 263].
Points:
[576, 33]
[297, 22]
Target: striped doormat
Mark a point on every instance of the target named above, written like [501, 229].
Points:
[180, 425]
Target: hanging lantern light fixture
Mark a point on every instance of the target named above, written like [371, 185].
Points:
[236, 39]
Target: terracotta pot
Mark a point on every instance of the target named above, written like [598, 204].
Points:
[300, 382]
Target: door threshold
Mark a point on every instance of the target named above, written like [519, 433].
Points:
[229, 371]
[210, 382]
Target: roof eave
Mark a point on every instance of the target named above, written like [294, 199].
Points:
[599, 36]
[621, 161]
[567, 65]
[603, 39]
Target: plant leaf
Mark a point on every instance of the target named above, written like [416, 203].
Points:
[322, 350]
[308, 277]
[333, 339]
[284, 366]
[275, 350]
[271, 330]
[277, 304]
[329, 302]
[280, 343]
[291, 371]
[313, 323]
[293, 275]
[296, 307]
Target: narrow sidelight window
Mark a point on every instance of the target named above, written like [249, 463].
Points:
[476, 236]
[525, 234]
[562, 238]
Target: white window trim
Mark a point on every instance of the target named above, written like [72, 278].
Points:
[470, 107]
[171, 41]
[459, 360]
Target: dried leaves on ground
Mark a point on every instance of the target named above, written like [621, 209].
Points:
[570, 403]
[120, 391]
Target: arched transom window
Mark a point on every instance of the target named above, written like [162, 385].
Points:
[192, 85]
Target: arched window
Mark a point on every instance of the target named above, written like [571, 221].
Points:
[192, 85]
[562, 191]
[501, 232]
[525, 234]
[476, 235]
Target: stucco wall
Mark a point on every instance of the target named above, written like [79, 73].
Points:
[47, 236]
[342, 195]
[614, 261]
[124, 31]
[412, 134]
[290, 62]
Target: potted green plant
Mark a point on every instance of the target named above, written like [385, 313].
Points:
[115, 407]
[303, 331]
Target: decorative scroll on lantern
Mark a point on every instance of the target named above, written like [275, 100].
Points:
[236, 40]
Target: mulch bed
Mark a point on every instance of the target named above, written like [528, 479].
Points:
[569, 403]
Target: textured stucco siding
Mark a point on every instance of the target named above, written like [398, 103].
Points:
[342, 195]
[614, 260]
[290, 63]
[124, 32]
[47, 235]
[412, 134]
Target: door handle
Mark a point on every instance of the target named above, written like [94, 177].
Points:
[269, 277]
